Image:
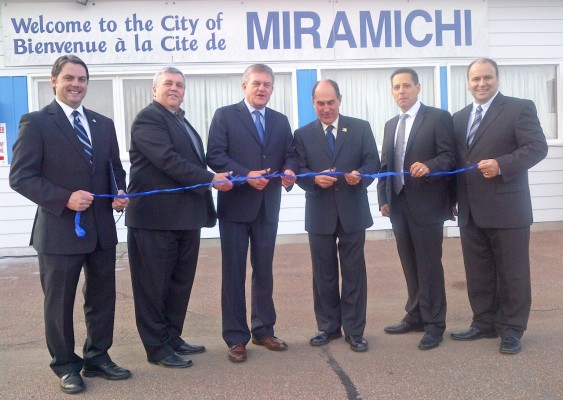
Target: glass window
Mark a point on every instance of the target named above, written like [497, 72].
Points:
[366, 94]
[534, 82]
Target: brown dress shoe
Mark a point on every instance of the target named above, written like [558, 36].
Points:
[271, 343]
[237, 353]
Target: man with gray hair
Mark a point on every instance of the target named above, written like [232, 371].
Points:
[164, 229]
[250, 140]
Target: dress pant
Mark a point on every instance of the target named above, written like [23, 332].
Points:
[59, 276]
[333, 309]
[420, 252]
[497, 267]
[235, 239]
[163, 265]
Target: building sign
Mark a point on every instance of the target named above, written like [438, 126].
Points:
[105, 32]
[3, 145]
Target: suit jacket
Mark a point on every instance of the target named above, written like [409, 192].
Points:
[234, 145]
[164, 157]
[355, 150]
[511, 133]
[49, 163]
[430, 142]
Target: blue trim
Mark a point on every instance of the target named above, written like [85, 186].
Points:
[13, 104]
[306, 79]
[444, 87]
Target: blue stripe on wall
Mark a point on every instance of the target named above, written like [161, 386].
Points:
[13, 104]
[444, 87]
[306, 79]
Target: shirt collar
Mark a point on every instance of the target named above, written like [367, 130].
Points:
[251, 109]
[68, 109]
[484, 106]
[334, 124]
[411, 111]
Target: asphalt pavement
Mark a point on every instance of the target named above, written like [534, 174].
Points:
[393, 368]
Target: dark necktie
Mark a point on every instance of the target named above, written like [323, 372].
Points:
[475, 125]
[398, 156]
[191, 134]
[258, 124]
[330, 139]
[82, 136]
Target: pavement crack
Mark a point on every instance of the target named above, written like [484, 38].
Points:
[351, 390]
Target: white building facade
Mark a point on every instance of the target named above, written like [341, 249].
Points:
[356, 43]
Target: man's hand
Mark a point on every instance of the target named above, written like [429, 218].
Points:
[386, 210]
[418, 170]
[120, 204]
[225, 184]
[80, 200]
[325, 181]
[260, 183]
[288, 181]
[353, 178]
[489, 168]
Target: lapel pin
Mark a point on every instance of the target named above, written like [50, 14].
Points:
[344, 130]
[94, 120]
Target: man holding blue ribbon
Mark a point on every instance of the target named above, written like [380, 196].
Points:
[502, 135]
[251, 140]
[419, 140]
[63, 154]
[163, 230]
[337, 214]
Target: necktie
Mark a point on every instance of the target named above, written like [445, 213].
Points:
[191, 134]
[398, 155]
[475, 125]
[258, 124]
[82, 136]
[331, 140]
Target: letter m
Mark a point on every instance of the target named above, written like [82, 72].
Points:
[253, 27]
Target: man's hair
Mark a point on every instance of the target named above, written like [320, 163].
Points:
[254, 68]
[62, 60]
[414, 75]
[332, 83]
[483, 61]
[164, 70]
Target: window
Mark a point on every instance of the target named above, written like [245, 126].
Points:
[366, 94]
[534, 82]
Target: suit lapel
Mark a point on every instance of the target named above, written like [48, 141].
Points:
[418, 120]
[68, 131]
[320, 137]
[494, 110]
[342, 135]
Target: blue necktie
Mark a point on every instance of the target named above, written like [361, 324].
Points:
[475, 125]
[82, 136]
[258, 124]
[330, 139]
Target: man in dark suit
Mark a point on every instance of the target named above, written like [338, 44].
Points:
[250, 140]
[337, 214]
[503, 136]
[164, 229]
[57, 168]
[418, 140]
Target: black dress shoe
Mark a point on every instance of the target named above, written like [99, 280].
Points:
[186, 349]
[72, 383]
[357, 343]
[108, 370]
[403, 327]
[321, 338]
[429, 341]
[510, 345]
[473, 334]
[174, 360]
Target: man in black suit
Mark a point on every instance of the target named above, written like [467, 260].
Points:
[503, 136]
[418, 140]
[250, 140]
[337, 214]
[164, 229]
[58, 168]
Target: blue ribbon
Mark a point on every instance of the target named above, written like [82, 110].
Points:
[80, 232]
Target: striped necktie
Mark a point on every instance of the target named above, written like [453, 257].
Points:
[82, 136]
[258, 123]
[475, 125]
[331, 140]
